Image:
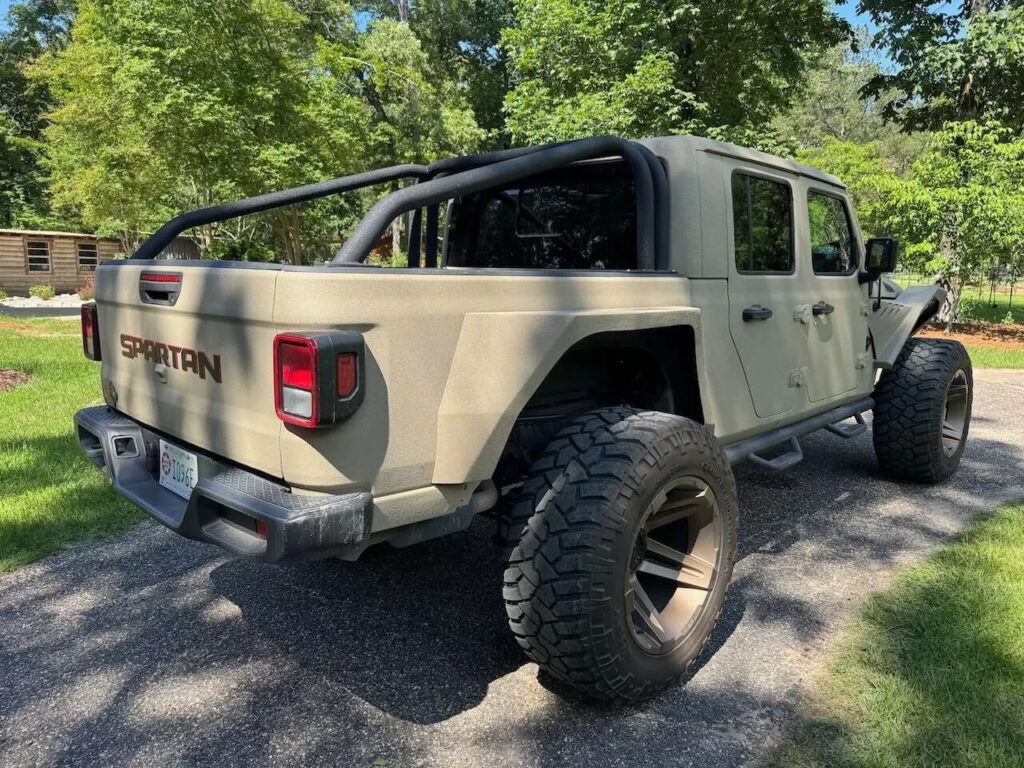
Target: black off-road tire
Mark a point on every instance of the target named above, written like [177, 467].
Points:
[931, 379]
[567, 584]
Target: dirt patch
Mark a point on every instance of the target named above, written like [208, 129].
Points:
[990, 335]
[30, 330]
[12, 379]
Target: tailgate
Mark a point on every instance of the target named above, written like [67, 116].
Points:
[196, 366]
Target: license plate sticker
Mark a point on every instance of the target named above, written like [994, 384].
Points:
[179, 470]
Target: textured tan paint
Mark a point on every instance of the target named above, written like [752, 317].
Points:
[220, 311]
[393, 440]
[482, 401]
[452, 355]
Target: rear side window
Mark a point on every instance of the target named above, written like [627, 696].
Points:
[581, 217]
[762, 215]
[832, 246]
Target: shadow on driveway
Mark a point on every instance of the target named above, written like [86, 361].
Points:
[150, 649]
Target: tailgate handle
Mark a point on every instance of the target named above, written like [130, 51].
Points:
[159, 288]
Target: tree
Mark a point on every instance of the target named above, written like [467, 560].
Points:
[461, 40]
[955, 61]
[32, 28]
[617, 66]
[866, 171]
[165, 106]
[965, 198]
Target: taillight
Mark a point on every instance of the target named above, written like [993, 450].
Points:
[90, 331]
[317, 377]
[296, 380]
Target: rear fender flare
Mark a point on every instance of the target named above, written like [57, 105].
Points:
[501, 359]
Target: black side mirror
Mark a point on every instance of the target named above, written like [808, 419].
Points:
[881, 255]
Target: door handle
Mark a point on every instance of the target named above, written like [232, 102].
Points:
[823, 308]
[756, 312]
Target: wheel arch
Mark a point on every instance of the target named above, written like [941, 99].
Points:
[503, 361]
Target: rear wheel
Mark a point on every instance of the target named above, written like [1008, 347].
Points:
[923, 411]
[622, 570]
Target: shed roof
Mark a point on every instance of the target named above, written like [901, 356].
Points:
[46, 233]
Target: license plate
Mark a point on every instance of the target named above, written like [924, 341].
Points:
[179, 470]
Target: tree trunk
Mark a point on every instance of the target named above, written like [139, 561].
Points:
[948, 310]
[403, 10]
[396, 238]
[287, 225]
[952, 282]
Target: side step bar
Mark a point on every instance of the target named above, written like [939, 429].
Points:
[751, 447]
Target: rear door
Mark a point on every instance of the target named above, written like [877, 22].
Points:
[837, 334]
[764, 283]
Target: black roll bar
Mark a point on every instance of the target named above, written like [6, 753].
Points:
[166, 234]
[524, 162]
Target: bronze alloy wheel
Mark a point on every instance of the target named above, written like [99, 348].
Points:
[674, 564]
[954, 414]
[621, 573]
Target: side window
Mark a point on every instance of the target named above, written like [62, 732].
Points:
[833, 251]
[762, 214]
[38, 255]
[87, 257]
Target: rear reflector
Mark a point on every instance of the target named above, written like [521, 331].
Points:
[346, 374]
[90, 331]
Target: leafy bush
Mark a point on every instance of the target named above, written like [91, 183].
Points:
[44, 292]
[87, 291]
[3, 295]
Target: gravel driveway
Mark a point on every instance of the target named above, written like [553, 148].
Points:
[148, 649]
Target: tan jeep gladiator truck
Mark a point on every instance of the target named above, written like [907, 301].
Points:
[587, 337]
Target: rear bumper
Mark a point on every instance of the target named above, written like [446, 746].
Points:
[227, 502]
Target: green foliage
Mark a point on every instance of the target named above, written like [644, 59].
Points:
[954, 61]
[638, 69]
[44, 292]
[3, 295]
[461, 41]
[167, 106]
[957, 208]
[965, 196]
[32, 27]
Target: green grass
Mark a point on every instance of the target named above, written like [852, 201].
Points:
[933, 674]
[49, 493]
[991, 357]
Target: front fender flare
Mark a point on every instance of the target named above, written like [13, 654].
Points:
[500, 360]
[896, 320]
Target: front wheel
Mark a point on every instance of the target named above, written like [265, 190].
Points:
[622, 570]
[923, 411]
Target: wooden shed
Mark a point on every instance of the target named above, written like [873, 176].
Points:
[61, 260]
